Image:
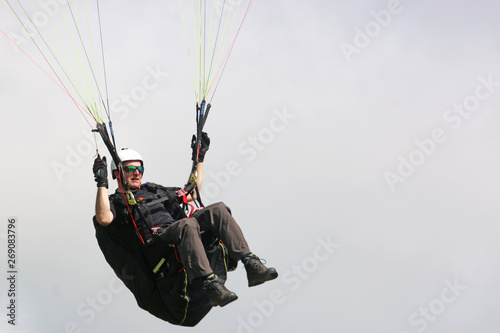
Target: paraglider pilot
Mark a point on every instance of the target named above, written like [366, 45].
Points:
[174, 265]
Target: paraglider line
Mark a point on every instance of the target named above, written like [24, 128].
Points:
[224, 62]
[104, 67]
[60, 85]
[86, 56]
[216, 40]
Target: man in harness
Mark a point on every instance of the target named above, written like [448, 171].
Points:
[175, 265]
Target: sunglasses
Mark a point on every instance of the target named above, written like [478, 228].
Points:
[131, 169]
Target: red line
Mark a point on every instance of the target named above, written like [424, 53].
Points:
[229, 50]
[64, 89]
[128, 207]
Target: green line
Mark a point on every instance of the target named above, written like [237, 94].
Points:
[75, 58]
[94, 84]
[188, 50]
[104, 66]
[223, 50]
[50, 63]
[93, 68]
[214, 41]
[52, 47]
[200, 59]
[67, 67]
[74, 21]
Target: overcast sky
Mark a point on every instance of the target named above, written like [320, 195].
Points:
[355, 141]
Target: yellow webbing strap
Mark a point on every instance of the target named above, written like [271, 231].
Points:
[160, 263]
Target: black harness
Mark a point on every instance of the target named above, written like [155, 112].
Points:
[169, 197]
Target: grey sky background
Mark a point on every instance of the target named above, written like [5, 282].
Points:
[374, 195]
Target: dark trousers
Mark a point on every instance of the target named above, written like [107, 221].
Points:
[186, 235]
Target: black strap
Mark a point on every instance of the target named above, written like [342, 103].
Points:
[154, 202]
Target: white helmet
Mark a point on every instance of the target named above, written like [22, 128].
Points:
[126, 155]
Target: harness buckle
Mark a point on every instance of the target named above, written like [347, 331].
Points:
[155, 230]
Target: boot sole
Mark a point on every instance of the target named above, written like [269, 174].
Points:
[229, 299]
[270, 276]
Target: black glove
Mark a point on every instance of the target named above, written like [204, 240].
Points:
[205, 143]
[100, 170]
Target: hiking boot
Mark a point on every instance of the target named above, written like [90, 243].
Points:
[257, 273]
[217, 292]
